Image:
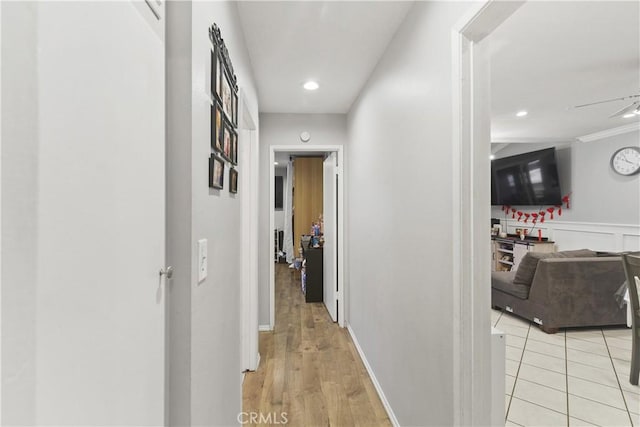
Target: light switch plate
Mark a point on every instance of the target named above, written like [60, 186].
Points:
[202, 260]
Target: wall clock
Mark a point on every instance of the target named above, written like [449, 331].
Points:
[626, 161]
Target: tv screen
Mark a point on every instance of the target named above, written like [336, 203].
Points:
[529, 179]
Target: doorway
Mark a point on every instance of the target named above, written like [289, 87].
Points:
[334, 268]
[471, 192]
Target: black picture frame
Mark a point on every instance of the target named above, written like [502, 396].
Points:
[217, 128]
[215, 73]
[226, 141]
[233, 180]
[216, 172]
[234, 148]
[228, 97]
[234, 107]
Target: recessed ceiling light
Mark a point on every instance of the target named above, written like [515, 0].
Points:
[521, 113]
[492, 156]
[628, 116]
[311, 85]
[275, 163]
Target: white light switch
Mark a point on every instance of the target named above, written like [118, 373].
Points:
[202, 260]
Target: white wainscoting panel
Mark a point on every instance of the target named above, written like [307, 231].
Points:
[578, 235]
[630, 242]
[579, 239]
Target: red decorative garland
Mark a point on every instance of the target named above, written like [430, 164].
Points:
[550, 210]
[537, 215]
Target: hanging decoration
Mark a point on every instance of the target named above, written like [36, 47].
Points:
[539, 215]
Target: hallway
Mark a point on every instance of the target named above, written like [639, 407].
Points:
[309, 368]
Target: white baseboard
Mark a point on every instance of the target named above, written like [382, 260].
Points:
[376, 384]
[264, 328]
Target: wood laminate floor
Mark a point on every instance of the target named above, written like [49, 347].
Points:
[309, 368]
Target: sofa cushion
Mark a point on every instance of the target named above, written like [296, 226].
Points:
[529, 263]
[527, 267]
[503, 281]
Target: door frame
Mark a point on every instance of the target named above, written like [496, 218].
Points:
[250, 356]
[471, 144]
[0, 214]
[329, 178]
[341, 294]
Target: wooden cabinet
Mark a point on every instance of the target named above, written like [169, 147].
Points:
[312, 274]
[507, 253]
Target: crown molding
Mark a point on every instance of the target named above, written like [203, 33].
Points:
[609, 132]
[530, 140]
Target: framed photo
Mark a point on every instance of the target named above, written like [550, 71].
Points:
[215, 74]
[234, 109]
[233, 180]
[227, 96]
[226, 143]
[216, 172]
[234, 148]
[217, 128]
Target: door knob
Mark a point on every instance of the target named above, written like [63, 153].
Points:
[168, 272]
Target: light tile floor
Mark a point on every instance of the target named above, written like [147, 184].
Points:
[577, 377]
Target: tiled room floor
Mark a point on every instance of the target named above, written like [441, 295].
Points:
[572, 378]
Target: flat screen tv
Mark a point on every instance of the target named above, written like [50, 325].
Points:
[529, 179]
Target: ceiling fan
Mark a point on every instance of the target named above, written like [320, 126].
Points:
[631, 109]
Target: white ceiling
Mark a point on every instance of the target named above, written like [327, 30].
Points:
[336, 43]
[546, 57]
[552, 55]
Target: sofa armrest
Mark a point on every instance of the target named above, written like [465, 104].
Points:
[578, 291]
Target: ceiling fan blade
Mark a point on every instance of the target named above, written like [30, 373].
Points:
[626, 110]
[607, 100]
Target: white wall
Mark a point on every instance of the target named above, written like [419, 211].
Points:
[598, 195]
[285, 129]
[209, 312]
[398, 220]
[19, 231]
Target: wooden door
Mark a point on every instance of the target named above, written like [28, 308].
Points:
[307, 196]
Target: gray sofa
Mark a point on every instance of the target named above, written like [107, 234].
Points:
[562, 289]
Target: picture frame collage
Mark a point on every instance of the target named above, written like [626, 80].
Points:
[224, 115]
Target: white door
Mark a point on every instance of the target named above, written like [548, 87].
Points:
[97, 325]
[330, 254]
